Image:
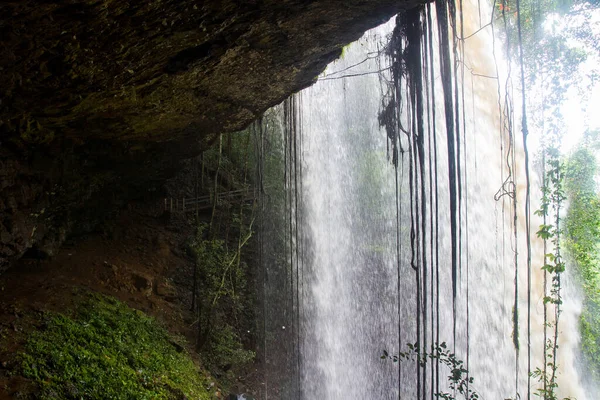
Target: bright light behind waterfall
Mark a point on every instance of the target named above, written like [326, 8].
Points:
[405, 223]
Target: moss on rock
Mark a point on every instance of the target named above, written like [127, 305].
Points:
[106, 350]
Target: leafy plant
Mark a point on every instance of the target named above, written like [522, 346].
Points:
[225, 350]
[220, 287]
[107, 350]
[220, 279]
[458, 380]
[582, 236]
[553, 197]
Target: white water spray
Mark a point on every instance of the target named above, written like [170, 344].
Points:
[355, 289]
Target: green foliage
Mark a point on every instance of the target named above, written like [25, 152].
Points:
[217, 268]
[221, 298]
[220, 286]
[556, 37]
[109, 351]
[549, 386]
[459, 380]
[553, 197]
[582, 224]
[226, 349]
[232, 155]
[589, 327]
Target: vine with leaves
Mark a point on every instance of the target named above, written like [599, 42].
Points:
[459, 380]
[553, 197]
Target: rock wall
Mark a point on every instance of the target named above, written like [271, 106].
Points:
[100, 100]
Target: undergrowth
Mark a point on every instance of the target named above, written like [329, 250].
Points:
[107, 350]
[221, 306]
[582, 223]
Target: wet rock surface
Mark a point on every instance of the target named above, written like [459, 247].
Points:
[101, 100]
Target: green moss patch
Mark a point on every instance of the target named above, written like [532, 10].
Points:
[107, 350]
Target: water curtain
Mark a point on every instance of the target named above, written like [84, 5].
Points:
[394, 221]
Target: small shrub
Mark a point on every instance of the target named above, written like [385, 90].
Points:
[226, 349]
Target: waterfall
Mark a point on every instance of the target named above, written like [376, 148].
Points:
[358, 252]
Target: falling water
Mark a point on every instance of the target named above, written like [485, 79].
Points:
[350, 288]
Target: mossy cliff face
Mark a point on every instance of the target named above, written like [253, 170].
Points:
[100, 100]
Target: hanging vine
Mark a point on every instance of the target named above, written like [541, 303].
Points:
[553, 198]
